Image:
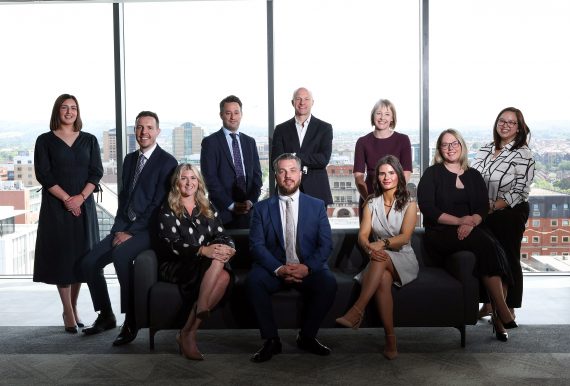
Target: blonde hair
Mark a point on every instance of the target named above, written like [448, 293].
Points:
[389, 105]
[438, 158]
[174, 196]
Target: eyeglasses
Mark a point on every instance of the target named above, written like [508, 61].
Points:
[502, 122]
[450, 145]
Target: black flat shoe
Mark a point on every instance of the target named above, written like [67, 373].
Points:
[127, 335]
[312, 345]
[270, 347]
[102, 323]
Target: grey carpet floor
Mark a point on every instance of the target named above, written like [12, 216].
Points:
[534, 355]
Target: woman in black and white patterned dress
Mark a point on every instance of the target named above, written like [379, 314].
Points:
[507, 166]
[196, 251]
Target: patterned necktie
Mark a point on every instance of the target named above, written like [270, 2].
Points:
[140, 165]
[290, 233]
[240, 174]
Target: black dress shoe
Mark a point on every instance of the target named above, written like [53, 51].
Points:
[312, 345]
[270, 347]
[102, 323]
[127, 335]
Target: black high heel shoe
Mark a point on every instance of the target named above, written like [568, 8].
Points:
[501, 336]
[511, 324]
[72, 329]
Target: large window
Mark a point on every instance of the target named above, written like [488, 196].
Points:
[486, 55]
[349, 54]
[48, 50]
[183, 58]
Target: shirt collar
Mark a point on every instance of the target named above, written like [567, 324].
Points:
[148, 153]
[304, 124]
[228, 132]
[294, 196]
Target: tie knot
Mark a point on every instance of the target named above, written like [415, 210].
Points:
[233, 135]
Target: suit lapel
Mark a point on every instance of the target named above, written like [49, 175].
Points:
[301, 222]
[275, 216]
[247, 157]
[294, 138]
[311, 132]
[223, 144]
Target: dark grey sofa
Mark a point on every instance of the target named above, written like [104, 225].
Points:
[441, 296]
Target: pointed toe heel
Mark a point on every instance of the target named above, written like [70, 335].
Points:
[352, 319]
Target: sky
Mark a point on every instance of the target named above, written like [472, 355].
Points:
[182, 58]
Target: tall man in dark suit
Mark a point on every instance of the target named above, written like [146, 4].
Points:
[230, 165]
[290, 240]
[310, 139]
[145, 181]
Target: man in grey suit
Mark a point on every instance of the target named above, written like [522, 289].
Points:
[310, 139]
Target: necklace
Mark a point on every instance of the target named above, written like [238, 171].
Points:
[388, 205]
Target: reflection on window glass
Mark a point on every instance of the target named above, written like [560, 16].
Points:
[48, 50]
[475, 72]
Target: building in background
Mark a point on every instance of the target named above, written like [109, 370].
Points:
[17, 243]
[186, 141]
[110, 143]
[25, 200]
[24, 170]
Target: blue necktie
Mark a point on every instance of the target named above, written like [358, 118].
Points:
[240, 174]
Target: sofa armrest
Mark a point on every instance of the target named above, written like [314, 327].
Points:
[145, 274]
[461, 265]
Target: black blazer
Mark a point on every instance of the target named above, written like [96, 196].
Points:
[217, 166]
[315, 154]
[148, 194]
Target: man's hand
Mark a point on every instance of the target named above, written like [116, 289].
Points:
[293, 273]
[242, 207]
[121, 237]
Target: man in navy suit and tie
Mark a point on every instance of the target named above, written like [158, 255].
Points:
[310, 139]
[290, 241]
[145, 182]
[230, 165]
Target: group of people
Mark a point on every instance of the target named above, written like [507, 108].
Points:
[182, 212]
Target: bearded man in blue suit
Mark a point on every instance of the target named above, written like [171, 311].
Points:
[290, 240]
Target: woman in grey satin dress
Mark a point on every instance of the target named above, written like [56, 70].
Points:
[391, 217]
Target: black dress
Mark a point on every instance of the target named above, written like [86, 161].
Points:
[437, 194]
[63, 239]
[181, 240]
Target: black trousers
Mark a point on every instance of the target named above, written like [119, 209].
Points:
[122, 256]
[508, 226]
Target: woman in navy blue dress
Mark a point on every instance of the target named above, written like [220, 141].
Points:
[68, 165]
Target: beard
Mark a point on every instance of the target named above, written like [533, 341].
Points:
[287, 191]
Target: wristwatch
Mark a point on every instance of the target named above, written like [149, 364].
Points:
[386, 243]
